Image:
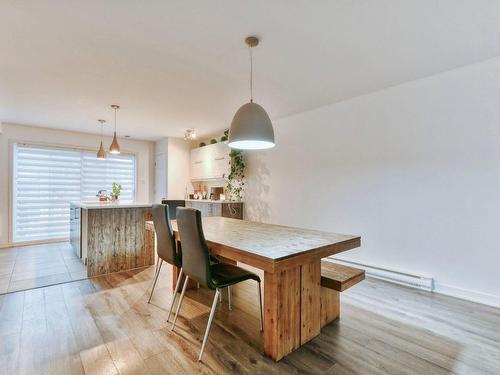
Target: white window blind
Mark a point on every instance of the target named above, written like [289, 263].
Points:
[100, 174]
[46, 180]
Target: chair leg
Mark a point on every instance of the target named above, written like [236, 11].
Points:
[158, 269]
[209, 324]
[177, 284]
[260, 307]
[184, 287]
[229, 297]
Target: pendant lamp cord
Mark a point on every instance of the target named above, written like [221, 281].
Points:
[101, 122]
[115, 119]
[251, 75]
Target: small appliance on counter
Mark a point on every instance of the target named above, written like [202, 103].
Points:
[216, 192]
[102, 195]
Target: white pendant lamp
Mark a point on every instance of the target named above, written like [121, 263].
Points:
[101, 154]
[115, 147]
[251, 128]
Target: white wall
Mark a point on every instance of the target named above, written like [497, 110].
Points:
[172, 167]
[413, 169]
[144, 151]
[178, 168]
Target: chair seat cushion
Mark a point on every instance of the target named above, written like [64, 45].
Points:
[224, 275]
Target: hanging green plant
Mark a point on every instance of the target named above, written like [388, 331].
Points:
[225, 136]
[235, 180]
[213, 141]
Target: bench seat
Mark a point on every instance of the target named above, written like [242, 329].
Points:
[339, 277]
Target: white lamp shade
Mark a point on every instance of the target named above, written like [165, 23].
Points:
[251, 128]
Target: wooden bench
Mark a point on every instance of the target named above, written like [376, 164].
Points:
[335, 278]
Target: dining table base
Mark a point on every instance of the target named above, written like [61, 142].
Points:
[295, 308]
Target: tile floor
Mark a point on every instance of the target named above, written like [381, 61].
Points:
[27, 267]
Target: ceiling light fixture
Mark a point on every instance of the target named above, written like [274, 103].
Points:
[115, 147]
[190, 134]
[101, 154]
[251, 128]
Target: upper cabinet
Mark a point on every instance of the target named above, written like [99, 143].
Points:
[210, 162]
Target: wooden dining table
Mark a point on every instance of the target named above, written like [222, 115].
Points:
[290, 258]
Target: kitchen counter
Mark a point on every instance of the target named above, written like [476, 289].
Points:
[211, 201]
[210, 207]
[110, 237]
[92, 205]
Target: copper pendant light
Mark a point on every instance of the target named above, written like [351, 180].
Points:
[101, 154]
[115, 147]
[251, 128]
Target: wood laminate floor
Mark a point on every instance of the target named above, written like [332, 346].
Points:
[26, 267]
[105, 326]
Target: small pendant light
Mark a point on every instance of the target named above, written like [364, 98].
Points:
[101, 154]
[115, 147]
[251, 128]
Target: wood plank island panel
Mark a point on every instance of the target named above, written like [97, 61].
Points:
[116, 240]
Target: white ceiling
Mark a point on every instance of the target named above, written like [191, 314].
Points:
[173, 65]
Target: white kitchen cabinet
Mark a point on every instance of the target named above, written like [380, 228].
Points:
[196, 163]
[210, 162]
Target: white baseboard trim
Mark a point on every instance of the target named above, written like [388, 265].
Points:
[29, 243]
[469, 295]
[426, 283]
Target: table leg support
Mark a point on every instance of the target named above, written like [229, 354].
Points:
[292, 308]
[330, 306]
[281, 312]
[310, 306]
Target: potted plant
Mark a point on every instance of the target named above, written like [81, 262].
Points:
[116, 190]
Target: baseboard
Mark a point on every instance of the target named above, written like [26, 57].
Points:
[469, 295]
[426, 283]
[29, 243]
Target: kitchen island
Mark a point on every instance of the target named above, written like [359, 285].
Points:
[110, 237]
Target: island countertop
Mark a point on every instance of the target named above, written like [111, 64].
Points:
[92, 205]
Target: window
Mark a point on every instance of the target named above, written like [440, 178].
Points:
[46, 179]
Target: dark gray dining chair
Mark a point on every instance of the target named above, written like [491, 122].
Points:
[197, 266]
[172, 206]
[166, 248]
